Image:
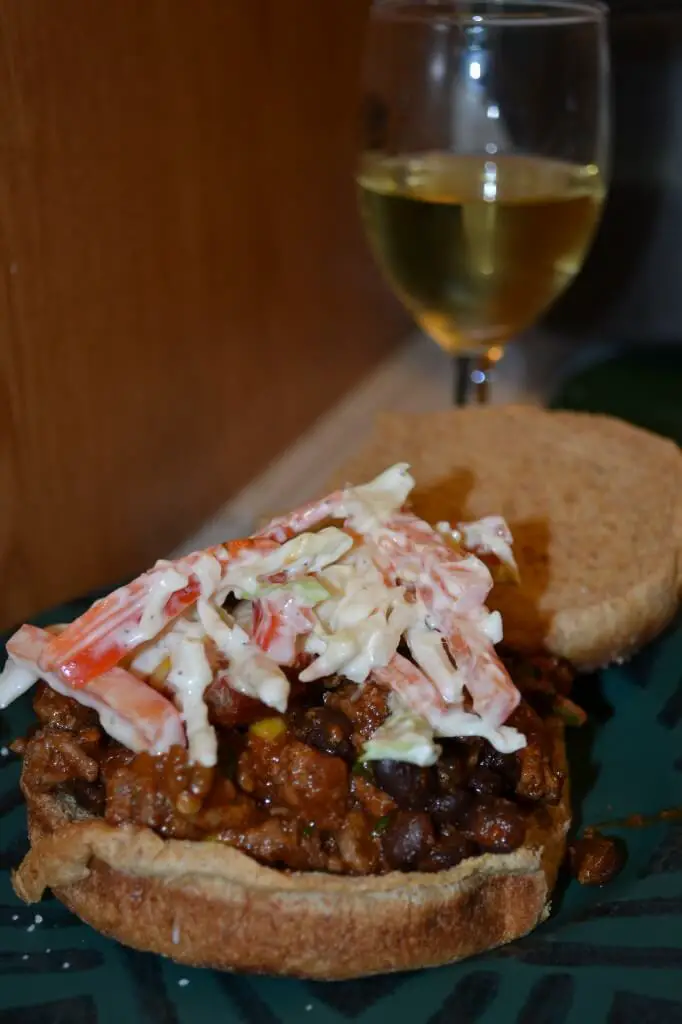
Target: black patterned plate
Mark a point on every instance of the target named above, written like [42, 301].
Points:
[613, 954]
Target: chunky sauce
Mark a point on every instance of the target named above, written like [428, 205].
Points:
[289, 789]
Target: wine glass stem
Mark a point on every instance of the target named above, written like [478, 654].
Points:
[471, 380]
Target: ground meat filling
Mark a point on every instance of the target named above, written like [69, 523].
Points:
[291, 791]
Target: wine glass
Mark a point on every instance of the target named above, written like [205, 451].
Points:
[483, 165]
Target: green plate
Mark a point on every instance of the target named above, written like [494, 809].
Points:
[612, 954]
[643, 386]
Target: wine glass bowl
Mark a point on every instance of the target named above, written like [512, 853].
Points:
[483, 166]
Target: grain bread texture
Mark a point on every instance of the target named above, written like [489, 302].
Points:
[595, 506]
[209, 905]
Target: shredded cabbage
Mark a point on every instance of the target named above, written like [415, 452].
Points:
[404, 736]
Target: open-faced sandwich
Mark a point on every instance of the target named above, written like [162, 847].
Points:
[301, 753]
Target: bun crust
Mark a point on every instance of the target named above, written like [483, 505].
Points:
[209, 905]
[594, 504]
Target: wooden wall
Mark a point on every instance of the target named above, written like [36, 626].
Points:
[183, 280]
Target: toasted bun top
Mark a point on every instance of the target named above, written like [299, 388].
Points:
[594, 504]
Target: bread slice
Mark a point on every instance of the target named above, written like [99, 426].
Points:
[595, 506]
[209, 905]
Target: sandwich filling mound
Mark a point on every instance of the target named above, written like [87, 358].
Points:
[292, 790]
[325, 695]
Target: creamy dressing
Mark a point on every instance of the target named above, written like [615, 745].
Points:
[126, 732]
[15, 680]
[487, 536]
[368, 506]
[490, 624]
[308, 554]
[463, 583]
[457, 722]
[251, 671]
[132, 713]
[120, 729]
[242, 614]
[359, 628]
[427, 649]
[165, 584]
[354, 653]
[346, 602]
[189, 676]
[167, 578]
[149, 657]
[205, 567]
[404, 736]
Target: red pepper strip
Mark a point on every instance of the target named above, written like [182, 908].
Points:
[108, 631]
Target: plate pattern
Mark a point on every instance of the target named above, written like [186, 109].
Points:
[612, 954]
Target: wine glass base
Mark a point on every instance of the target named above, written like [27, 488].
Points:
[471, 380]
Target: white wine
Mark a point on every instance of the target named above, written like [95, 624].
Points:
[478, 247]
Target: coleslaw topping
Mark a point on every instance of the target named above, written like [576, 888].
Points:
[353, 586]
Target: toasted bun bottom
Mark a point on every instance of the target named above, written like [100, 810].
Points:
[209, 905]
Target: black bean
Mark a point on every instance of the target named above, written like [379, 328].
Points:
[451, 771]
[407, 840]
[449, 851]
[495, 824]
[324, 728]
[410, 786]
[506, 765]
[486, 782]
[473, 745]
[450, 808]
[596, 859]
[304, 695]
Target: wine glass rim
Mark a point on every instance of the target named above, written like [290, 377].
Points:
[491, 12]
